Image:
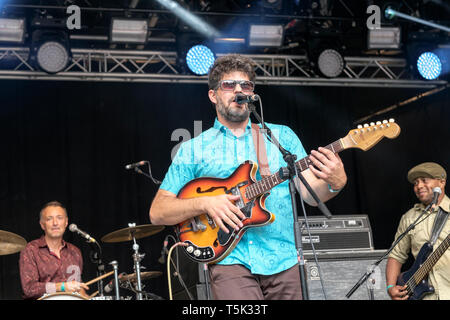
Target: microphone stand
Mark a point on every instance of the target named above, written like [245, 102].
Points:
[148, 175]
[96, 257]
[290, 174]
[376, 263]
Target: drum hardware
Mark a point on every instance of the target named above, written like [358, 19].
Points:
[11, 243]
[132, 233]
[116, 278]
[137, 258]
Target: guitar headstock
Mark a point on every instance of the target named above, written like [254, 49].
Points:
[368, 135]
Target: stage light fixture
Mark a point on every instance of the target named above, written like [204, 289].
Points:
[12, 30]
[384, 38]
[265, 35]
[200, 59]
[50, 50]
[52, 56]
[330, 63]
[429, 65]
[129, 30]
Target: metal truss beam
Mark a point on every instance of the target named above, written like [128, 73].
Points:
[158, 66]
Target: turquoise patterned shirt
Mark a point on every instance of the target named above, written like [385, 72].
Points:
[217, 152]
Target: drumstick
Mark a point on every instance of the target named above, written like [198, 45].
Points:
[93, 295]
[99, 278]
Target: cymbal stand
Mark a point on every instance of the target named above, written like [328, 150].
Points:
[137, 258]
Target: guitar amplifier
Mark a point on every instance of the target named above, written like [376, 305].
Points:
[340, 271]
[340, 233]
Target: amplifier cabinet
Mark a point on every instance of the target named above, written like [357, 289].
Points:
[341, 271]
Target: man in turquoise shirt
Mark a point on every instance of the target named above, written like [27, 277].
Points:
[264, 263]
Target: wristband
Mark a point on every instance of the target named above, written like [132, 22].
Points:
[62, 287]
[332, 190]
[388, 287]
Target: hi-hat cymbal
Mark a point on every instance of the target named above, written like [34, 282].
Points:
[11, 243]
[126, 234]
[144, 276]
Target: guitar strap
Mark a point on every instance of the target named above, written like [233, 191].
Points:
[261, 152]
[438, 225]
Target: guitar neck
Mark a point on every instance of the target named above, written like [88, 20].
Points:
[426, 267]
[266, 184]
[304, 163]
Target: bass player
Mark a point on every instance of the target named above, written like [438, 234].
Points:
[433, 227]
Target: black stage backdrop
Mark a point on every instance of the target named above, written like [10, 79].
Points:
[70, 141]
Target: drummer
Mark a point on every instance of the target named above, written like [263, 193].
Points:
[49, 264]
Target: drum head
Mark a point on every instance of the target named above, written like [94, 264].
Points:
[63, 296]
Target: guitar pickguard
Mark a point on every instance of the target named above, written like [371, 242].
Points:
[224, 237]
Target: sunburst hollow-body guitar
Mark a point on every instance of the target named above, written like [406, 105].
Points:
[207, 243]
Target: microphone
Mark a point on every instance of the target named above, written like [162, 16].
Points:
[73, 227]
[162, 259]
[110, 286]
[436, 193]
[135, 165]
[241, 98]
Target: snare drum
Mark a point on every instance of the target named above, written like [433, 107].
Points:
[63, 296]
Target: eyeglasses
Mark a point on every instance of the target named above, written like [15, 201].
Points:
[229, 85]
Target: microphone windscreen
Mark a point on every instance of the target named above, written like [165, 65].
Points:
[437, 190]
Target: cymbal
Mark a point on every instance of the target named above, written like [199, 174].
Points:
[144, 276]
[126, 234]
[11, 243]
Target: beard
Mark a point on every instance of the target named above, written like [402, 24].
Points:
[235, 115]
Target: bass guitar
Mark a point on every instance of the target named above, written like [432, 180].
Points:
[416, 278]
[207, 243]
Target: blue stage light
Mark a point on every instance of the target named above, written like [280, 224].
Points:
[429, 65]
[200, 59]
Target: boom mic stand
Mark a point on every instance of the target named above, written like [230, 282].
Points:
[291, 173]
[148, 175]
[376, 263]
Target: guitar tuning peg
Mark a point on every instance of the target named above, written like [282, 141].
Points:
[385, 121]
[366, 125]
[391, 120]
[359, 126]
[372, 124]
[378, 123]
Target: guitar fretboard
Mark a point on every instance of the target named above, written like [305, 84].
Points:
[426, 267]
[266, 184]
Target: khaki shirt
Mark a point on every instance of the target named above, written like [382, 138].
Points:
[439, 276]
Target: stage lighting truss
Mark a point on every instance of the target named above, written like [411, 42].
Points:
[162, 67]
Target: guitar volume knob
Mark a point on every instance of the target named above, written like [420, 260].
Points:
[197, 253]
[190, 249]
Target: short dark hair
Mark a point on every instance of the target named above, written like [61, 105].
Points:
[230, 63]
[51, 204]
